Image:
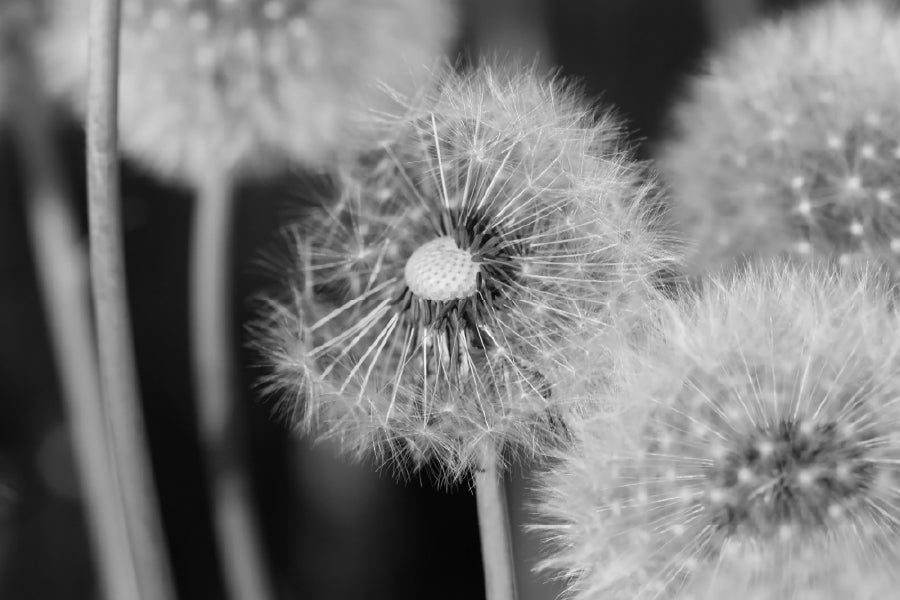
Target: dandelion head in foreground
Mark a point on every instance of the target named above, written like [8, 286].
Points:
[763, 412]
[247, 86]
[440, 301]
[790, 143]
[822, 569]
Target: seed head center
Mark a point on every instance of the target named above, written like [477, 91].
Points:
[439, 270]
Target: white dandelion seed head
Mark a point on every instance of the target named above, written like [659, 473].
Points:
[761, 412]
[826, 186]
[819, 569]
[249, 86]
[443, 299]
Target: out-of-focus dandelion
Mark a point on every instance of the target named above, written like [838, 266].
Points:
[214, 90]
[436, 305]
[251, 86]
[819, 569]
[790, 143]
[763, 413]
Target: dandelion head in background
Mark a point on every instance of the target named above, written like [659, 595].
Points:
[438, 304]
[789, 144]
[763, 412]
[18, 21]
[246, 86]
[821, 569]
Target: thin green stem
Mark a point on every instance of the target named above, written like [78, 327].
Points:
[493, 524]
[61, 265]
[118, 378]
[221, 431]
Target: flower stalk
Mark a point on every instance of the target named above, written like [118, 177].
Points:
[493, 524]
[60, 264]
[119, 393]
[222, 437]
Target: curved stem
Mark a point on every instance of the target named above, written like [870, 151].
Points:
[60, 263]
[223, 439]
[118, 379]
[493, 523]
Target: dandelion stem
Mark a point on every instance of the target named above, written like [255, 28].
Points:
[493, 523]
[118, 380]
[61, 268]
[240, 547]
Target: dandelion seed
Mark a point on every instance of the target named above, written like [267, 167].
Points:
[835, 68]
[252, 86]
[439, 303]
[762, 414]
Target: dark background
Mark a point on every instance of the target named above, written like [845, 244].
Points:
[333, 530]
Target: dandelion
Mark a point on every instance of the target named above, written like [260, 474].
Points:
[819, 570]
[788, 145]
[763, 413]
[434, 305]
[250, 86]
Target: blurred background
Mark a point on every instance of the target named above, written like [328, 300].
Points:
[332, 530]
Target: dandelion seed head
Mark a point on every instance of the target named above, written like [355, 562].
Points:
[439, 271]
[825, 187]
[761, 414]
[251, 86]
[448, 293]
[821, 569]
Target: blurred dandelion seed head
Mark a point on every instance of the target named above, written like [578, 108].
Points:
[249, 86]
[438, 302]
[18, 21]
[789, 143]
[763, 412]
